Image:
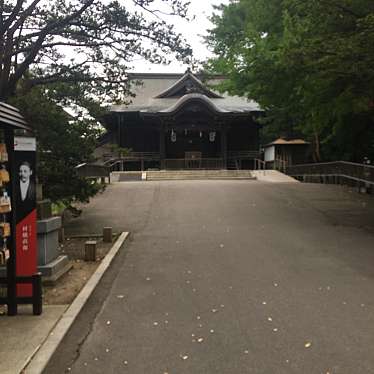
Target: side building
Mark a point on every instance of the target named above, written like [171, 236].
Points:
[175, 121]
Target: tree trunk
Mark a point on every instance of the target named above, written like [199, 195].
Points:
[317, 147]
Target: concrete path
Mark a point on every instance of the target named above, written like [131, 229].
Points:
[273, 176]
[21, 335]
[229, 277]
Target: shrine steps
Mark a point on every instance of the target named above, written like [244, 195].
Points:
[198, 174]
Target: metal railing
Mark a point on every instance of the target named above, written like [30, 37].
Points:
[260, 165]
[132, 156]
[243, 154]
[280, 165]
[92, 170]
[340, 170]
[142, 156]
[202, 163]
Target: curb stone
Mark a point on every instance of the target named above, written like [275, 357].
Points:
[39, 360]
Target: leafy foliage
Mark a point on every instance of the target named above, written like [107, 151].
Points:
[75, 53]
[310, 65]
[63, 143]
[85, 42]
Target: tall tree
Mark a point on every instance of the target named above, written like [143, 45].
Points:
[87, 42]
[76, 52]
[309, 64]
[63, 143]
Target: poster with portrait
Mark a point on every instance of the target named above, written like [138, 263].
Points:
[25, 209]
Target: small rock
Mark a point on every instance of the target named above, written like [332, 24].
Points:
[184, 357]
[308, 344]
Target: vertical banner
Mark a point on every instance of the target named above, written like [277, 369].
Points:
[25, 193]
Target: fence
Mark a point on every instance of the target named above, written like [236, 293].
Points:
[93, 171]
[200, 163]
[338, 172]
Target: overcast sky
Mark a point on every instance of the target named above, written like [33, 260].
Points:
[193, 31]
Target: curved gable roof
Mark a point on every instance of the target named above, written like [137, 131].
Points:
[162, 93]
[193, 97]
[188, 83]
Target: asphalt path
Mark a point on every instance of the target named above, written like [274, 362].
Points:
[229, 277]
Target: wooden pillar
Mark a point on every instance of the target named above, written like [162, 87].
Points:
[119, 123]
[224, 146]
[162, 147]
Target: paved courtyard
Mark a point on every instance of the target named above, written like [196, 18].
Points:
[229, 277]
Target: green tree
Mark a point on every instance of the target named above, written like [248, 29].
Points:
[76, 53]
[308, 64]
[63, 143]
[85, 42]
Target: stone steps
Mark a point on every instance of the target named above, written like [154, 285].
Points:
[199, 174]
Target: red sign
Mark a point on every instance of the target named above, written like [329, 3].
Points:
[25, 206]
[26, 252]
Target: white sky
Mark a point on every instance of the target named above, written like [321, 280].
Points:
[192, 31]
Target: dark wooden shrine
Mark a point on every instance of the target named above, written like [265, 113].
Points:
[177, 122]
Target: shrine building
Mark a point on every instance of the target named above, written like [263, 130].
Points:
[175, 121]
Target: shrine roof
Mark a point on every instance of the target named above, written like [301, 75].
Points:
[282, 141]
[163, 93]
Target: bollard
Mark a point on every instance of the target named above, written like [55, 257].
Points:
[90, 250]
[37, 294]
[107, 234]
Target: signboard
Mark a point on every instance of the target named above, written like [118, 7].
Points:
[25, 193]
[270, 154]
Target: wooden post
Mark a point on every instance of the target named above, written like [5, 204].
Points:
[37, 292]
[162, 147]
[107, 234]
[90, 250]
[11, 263]
[224, 147]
